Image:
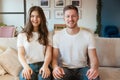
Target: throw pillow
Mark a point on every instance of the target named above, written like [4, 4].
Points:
[2, 71]
[1, 50]
[9, 61]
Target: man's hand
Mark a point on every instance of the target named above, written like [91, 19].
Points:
[58, 73]
[92, 73]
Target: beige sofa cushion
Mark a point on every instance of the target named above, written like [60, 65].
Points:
[109, 73]
[1, 50]
[9, 61]
[108, 51]
[9, 77]
[8, 42]
[2, 71]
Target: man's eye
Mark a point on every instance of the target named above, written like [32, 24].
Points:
[67, 16]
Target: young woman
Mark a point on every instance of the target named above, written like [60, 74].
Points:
[34, 47]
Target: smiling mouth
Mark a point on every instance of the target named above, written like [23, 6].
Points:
[71, 23]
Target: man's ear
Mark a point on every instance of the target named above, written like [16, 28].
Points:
[78, 17]
[64, 17]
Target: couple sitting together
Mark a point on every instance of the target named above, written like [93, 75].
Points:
[40, 54]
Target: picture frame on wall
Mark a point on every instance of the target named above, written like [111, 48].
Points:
[59, 3]
[77, 3]
[58, 14]
[45, 3]
[58, 27]
[47, 14]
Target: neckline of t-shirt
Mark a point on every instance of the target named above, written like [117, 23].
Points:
[72, 35]
[35, 32]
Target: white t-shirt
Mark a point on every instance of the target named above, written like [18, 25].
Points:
[34, 50]
[73, 48]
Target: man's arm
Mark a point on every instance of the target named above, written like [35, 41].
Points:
[94, 63]
[93, 72]
[58, 72]
[55, 57]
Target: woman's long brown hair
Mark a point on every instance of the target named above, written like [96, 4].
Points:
[42, 29]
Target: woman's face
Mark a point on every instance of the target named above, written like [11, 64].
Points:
[35, 19]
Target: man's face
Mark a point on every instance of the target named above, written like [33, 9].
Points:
[71, 17]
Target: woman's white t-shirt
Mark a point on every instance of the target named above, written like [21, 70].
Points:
[34, 51]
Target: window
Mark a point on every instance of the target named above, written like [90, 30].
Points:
[10, 14]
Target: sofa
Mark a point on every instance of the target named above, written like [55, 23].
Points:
[107, 50]
[9, 64]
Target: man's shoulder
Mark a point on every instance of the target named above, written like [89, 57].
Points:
[85, 29]
[87, 32]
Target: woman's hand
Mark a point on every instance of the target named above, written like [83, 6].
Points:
[27, 72]
[45, 72]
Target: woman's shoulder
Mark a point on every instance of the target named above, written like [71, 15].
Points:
[22, 34]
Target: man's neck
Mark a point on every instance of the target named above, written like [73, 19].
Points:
[73, 31]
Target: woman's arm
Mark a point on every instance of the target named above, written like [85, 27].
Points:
[44, 70]
[27, 71]
[48, 56]
[21, 57]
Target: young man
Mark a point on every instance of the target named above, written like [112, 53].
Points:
[73, 46]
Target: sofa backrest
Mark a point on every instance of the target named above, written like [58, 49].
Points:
[8, 42]
[108, 51]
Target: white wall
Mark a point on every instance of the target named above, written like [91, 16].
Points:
[12, 6]
[88, 12]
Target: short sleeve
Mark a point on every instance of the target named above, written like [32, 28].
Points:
[20, 40]
[91, 41]
[55, 41]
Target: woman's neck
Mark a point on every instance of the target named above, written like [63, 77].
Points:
[35, 30]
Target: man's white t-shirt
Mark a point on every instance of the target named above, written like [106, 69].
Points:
[73, 48]
[34, 51]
